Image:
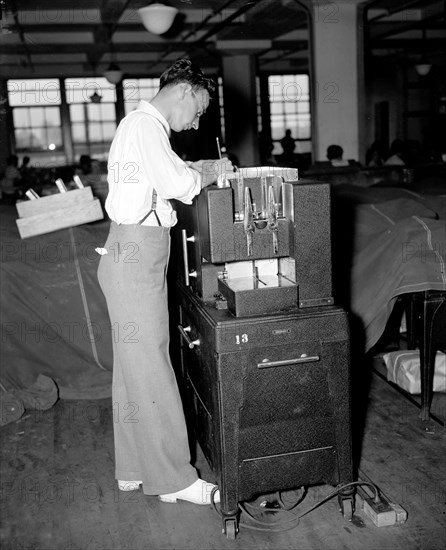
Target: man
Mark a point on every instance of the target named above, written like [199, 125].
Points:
[144, 173]
[9, 185]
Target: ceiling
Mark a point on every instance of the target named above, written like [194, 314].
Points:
[54, 38]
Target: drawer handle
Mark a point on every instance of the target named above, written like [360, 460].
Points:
[185, 239]
[303, 359]
[184, 333]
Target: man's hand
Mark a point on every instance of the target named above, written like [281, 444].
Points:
[211, 169]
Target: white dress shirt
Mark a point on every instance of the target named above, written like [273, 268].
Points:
[141, 159]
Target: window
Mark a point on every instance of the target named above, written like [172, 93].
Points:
[222, 108]
[138, 88]
[92, 114]
[259, 106]
[35, 105]
[290, 110]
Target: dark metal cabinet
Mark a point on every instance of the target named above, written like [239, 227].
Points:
[269, 397]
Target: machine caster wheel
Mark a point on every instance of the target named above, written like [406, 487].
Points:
[347, 508]
[231, 529]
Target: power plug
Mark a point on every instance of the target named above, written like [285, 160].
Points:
[381, 510]
[381, 513]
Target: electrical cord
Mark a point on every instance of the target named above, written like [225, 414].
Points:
[291, 523]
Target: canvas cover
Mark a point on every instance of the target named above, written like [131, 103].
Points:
[54, 320]
[387, 242]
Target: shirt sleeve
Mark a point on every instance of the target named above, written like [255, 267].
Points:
[159, 165]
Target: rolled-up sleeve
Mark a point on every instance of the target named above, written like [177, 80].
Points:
[161, 166]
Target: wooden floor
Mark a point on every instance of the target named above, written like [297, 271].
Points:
[58, 491]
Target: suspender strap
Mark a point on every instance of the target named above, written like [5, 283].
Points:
[152, 210]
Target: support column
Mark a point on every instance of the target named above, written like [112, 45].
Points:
[66, 124]
[337, 78]
[7, 145]
[239, 95]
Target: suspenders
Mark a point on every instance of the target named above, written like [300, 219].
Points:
[154, 196]
[152, 209]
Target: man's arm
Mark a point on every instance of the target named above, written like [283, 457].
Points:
[211, 169]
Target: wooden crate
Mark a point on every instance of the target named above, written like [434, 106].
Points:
[58, 211]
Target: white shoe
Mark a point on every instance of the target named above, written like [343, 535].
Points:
[198, 493]
[129, 485]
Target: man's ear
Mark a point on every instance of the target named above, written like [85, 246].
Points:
[185, 89]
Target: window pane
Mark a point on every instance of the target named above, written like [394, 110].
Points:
[39, 138]
[107, 90]
[131, 90]
[292, 92]
[304, 128]
[95, 132]
[78, 132]
[52, 116]
[277, 132]
[76, 91]
[20, 118]
[136, 89]
[37, 116]
[80, 90]
[292, 121]
[94, 112]
[108, 130]
[276, 108]
[23, 139]
[274, 87]
[77, 113]
[108, 111]
[290, 108]
[33, 92]
[303, 107]
[54, 135]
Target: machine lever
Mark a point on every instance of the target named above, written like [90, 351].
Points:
[248, 221]
[272, 218]
[184, 333]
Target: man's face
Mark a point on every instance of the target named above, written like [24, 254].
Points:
[192, 106]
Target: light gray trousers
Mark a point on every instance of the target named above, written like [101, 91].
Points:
[150, 434]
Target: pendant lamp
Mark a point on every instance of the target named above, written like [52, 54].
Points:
[157, 18]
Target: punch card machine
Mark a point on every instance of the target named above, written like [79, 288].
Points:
[265, 353]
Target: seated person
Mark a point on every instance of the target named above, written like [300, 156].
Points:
[396, 154]
[288, 144]
[375, 155]
[11, 181]
[28, 176]
[89, 170]
[335, 154]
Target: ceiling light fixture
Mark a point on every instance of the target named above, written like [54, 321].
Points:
[423, 67]
[157, 18]
[113, 74]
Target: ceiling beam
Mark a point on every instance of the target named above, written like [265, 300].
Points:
[412, 44]
[381, 30]
[111, 11]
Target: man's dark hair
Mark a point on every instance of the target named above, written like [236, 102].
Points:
[12, 160]
[183, 70]
[334, 152]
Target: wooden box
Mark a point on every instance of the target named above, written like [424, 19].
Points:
[58, 211]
